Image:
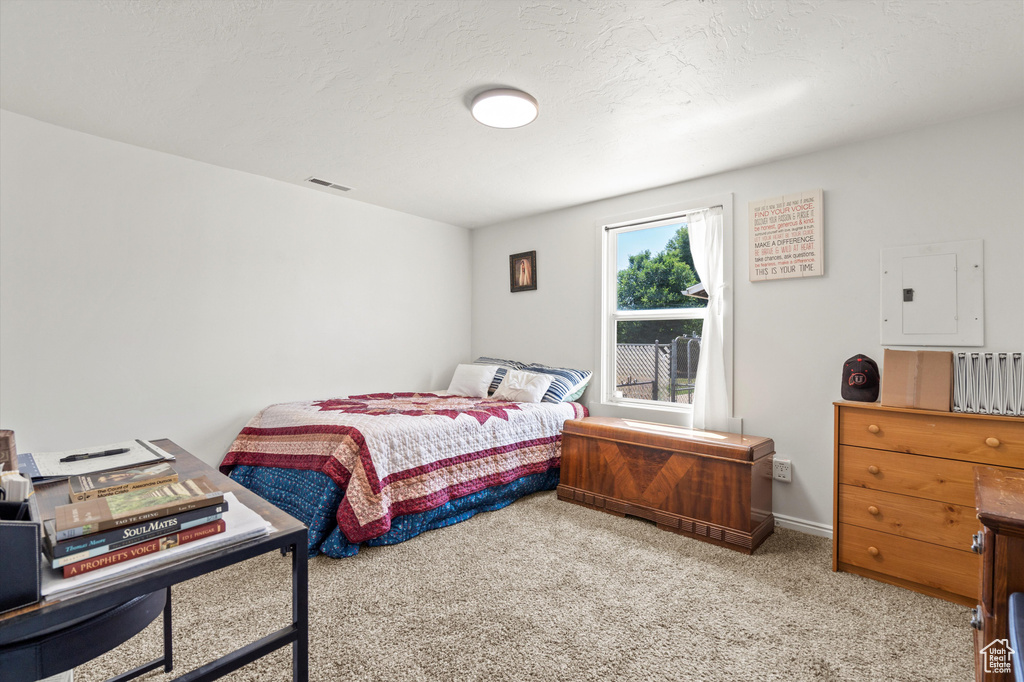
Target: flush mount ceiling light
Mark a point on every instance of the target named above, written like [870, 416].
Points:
[504, 108]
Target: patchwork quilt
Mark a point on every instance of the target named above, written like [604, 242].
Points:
[393, 455]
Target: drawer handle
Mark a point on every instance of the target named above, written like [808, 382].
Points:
[992, 442]
[976, 619]
[873, 551]
[874, 428]
[977, 543]
[873, 510]
[873, 469]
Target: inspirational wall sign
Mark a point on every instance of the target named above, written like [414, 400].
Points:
[786, 237]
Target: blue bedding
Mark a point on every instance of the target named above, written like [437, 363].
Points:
[313, 497]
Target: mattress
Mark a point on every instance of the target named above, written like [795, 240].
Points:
[380, 468]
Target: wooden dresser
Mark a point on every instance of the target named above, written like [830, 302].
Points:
[707, 485]
[1000, 502]
[904, 510]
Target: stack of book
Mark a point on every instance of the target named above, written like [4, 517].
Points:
[123, 514]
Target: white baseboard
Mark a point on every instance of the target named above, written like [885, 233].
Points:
[809, 527]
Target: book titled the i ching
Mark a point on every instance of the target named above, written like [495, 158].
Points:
[117, 481]
[133, 507]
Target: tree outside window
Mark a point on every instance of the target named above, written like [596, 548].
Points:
[658, 312]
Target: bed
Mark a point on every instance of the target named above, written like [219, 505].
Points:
[377, 469]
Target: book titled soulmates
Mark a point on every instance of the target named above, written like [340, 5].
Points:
[159, 544]
[65, 552]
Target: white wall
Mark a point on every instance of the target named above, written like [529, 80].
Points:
[146, 295]
[963, 180]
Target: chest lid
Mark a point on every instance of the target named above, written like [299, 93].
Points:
[674, 438]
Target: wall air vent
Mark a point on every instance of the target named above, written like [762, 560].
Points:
[325, 183]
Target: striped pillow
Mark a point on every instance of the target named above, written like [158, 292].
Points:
[575, 395]
[566, 383]
[503, 367]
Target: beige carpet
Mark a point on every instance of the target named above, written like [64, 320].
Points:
[545, 590]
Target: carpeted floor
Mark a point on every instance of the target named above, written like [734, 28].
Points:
[546, 590]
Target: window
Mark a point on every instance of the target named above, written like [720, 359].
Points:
[653, 309]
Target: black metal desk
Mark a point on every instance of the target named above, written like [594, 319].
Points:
[289, 535]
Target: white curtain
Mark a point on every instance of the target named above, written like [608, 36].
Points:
[711, 398]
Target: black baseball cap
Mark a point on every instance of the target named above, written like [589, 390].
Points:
[860, 379]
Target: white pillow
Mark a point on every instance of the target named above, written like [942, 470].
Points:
[472, 381]
[522, 387]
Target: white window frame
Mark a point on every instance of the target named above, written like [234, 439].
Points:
[609, 315]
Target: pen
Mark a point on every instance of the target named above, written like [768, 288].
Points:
[90, 455]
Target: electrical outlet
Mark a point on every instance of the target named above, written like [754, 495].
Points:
[782, 470]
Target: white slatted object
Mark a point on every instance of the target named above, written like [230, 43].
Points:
[989, 383]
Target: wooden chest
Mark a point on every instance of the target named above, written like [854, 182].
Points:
[904, 508]
[703, 484]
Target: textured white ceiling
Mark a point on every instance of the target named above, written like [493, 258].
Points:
[374, 95]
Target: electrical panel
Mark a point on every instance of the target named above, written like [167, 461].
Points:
[933, 295]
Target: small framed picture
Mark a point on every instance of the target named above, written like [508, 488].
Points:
[8, 453]
[522, 271]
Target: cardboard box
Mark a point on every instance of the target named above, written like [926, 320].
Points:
[922, 379]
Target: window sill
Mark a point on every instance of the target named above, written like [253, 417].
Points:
[679, 414]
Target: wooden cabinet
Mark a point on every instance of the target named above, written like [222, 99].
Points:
[1000, 503]
[904, 487]
[707, 485]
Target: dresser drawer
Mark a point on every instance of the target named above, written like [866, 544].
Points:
[924, 563]
[986, 440]
[932, 478]
[941, 523]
